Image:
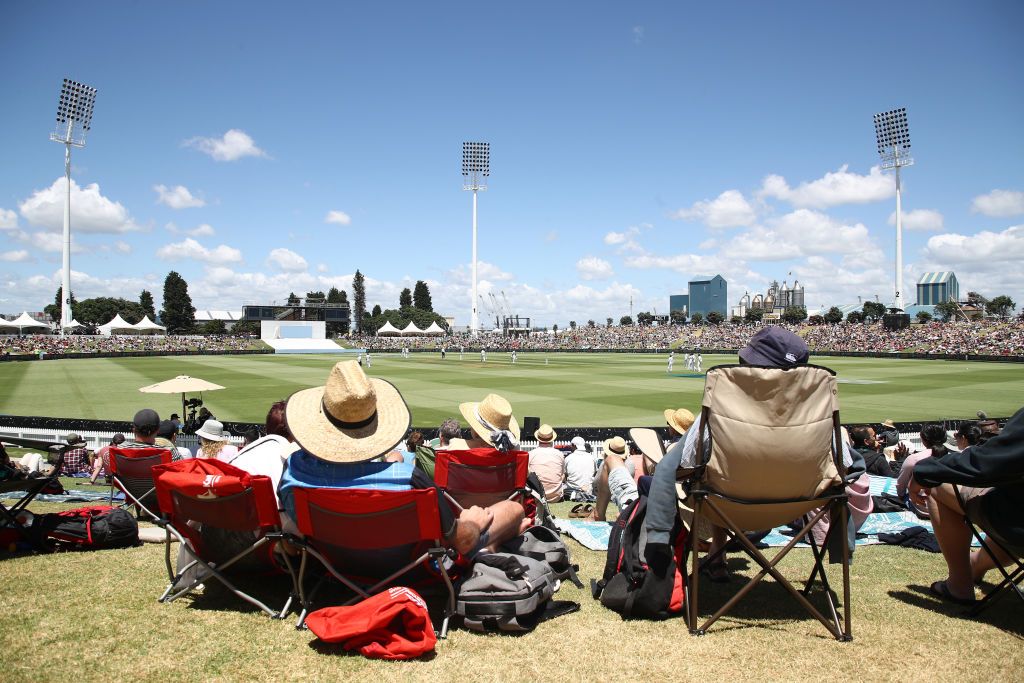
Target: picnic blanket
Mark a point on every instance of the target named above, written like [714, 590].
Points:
[594, 535]
[69, 496]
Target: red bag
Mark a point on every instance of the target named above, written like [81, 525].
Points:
[394, 624]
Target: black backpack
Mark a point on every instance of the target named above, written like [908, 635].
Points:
[629, 585]
[90, 528]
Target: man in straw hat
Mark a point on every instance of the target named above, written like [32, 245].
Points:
[614, 480]
[772, 346]
[548, 463]
[345, 427]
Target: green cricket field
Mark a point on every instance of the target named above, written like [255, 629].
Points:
[563, 389]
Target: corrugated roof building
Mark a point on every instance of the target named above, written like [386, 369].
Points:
[937, 287]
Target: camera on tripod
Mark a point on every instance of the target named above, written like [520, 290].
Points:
[195, 415]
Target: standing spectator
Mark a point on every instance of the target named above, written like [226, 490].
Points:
[101, 461]
[213, 442]
[76, 460]
[548, 464]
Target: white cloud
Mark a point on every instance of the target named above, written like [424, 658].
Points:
[593, 268]
[201, 230]
[234, 145]
[322, 268]
[338, 218]
[191, 250]
[985, 247]
[46, 241]
[18, 256]
[999, 203]
[833, 189]
[90, 210]
[728, 210]
[920, 219]
[8, 219]
[287, 260]
[177, 197]
[800, 233]
[122, 247]
[626, 241]
[463, 273]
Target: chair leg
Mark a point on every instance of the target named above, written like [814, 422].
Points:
[692, 600]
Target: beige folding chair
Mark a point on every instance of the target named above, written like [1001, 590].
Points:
[772, 445]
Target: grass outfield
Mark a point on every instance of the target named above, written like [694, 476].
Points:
[574, 389]
[94, 617]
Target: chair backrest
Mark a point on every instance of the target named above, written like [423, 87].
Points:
[132, 469]
[481, 476]
[367, 532]
[221, 499]
[774, 432]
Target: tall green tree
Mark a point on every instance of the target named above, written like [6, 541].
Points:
[337, 296]
[1000, 306]
[376, 311]
[833, 316]
[697, 319]
[677, 317]
[358, 301]
[754, 315]
[873, 310]
[947, 310]
[855, 317]
[572, 324]
[715, 318]
[102, 309]
[146, 301]
[53, 310]
[625, 321]
[405, 298]
[607, 322]
[178, 314]
[924, 317]
[421, 296]
[794, 315]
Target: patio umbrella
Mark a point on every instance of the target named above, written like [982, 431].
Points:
[182, 384]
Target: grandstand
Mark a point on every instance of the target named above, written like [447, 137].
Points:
[299, 326]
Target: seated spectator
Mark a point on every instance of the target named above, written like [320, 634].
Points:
[548, 463]
[580, 466]
[967, 434]
[167, 436]
[492, 422]
[933, 438]
[426, 454]
[989, 428]
[268, 455]
[145, 425]
[888, 435]
[989, 477]
[344, 427]
[679, 422]
[412, 444]
[213, 442]
[870, 448]
[772, 346]
[101, 461]
[76, 460]
[614, 481]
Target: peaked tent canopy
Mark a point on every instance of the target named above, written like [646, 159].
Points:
[27, 322]
[7, 324]
[118, 323]
[74, 324]
[411, 329]
[388, 330]
[147, 325]
[434, 329]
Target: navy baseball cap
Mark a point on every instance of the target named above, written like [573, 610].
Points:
[167, 429]
[775, 346]
[146, 418]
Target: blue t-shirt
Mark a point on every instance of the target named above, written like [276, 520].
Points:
[307, 471]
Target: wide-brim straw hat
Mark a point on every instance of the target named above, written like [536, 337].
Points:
[212, 430]
[496, 411]
[649, 442]
[352, 418]
[616, 446]
[889, 423]
[680, 420]
[546, 434]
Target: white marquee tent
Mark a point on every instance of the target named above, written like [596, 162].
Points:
[434, 330]
[26, 322]
[411, 330]
[388, 330]
[147, 326]
[115, 326]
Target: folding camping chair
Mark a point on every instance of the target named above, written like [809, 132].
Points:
[484, 476]
[362, 535]
[226, 521]
[131, 471]
[30, 488]
[772, 453]
[1013, 578]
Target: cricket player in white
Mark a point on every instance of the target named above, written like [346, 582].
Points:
[671, 360]
[700, 362]
[483, 355]
[514, 356]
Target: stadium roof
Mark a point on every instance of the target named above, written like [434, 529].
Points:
[936, 277]
[206, 316]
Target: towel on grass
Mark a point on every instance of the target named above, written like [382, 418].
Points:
[69, 496]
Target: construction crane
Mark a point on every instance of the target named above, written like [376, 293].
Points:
[490, 306]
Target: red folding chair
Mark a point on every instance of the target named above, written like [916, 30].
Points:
[226, 520]
[368, 539]
[484, 476]
[131, 471]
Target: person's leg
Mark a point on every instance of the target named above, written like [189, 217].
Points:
[602, 493]
[954, 540]
[621, 487]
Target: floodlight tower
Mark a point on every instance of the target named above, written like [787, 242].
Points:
[476, 168]
[893, 137]
[74, 118]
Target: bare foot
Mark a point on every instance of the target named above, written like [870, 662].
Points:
[594, 517]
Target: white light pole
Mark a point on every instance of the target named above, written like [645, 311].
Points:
[893, 137]
[476, 168]
[74, 118]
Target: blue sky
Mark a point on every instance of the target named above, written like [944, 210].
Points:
[633, 148]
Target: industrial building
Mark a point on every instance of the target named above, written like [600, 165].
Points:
[704, 296]
[937, 287]
[774, 302]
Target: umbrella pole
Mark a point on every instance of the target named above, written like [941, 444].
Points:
[183, 413]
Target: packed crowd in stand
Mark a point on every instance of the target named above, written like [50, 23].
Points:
[982, 338]
[49, 344]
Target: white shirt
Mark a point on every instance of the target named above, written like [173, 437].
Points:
[266, 456]
[580, 468]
